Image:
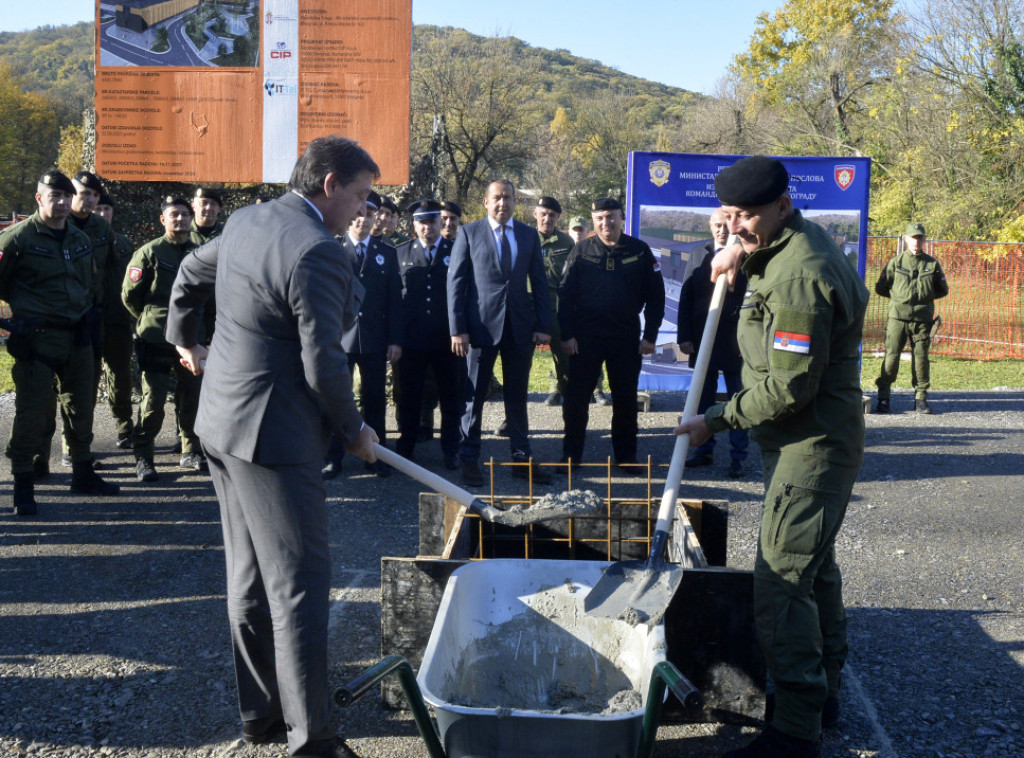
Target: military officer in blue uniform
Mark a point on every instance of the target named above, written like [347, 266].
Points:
[376, 337]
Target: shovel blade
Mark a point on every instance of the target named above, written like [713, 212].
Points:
[633, 591]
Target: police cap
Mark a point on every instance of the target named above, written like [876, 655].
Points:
[550, 203]
[914, 229]
[89, 180]
[373, 201]
[210, 194]
[58, 181]
[606, 204]
[425, 210]
[105, 199]
[752, 181]
[451, 207]
[172, 200]
[388, 204]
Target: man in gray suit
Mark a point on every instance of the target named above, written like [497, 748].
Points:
[277, 384]
[490, 312]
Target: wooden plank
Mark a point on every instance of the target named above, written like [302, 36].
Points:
[710, 519]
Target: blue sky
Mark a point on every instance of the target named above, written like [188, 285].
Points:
[684, 43]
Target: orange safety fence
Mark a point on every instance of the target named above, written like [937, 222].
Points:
[983, 315]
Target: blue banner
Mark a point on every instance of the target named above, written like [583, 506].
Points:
[669, 200]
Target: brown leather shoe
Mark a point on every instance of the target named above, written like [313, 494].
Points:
[472, 476]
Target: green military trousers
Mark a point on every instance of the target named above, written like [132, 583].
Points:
[56, 364]
[798, 597]
[896, 335]
[157, 362]
[117, 358]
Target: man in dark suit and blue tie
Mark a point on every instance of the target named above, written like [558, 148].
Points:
[277, 384]
[491, 312]
[376, 338]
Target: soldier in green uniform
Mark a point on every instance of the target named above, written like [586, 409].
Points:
[799, 331]
[386, 222]
[555, 246]
[46, 276]
[146, 292]
[118, 326]
[87, 194]
[912, 281]
[206, 221]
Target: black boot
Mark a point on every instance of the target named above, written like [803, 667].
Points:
[85, 481]
[24, 494]
[771, 743]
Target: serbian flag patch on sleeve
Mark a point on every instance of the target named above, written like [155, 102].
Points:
[791, 342]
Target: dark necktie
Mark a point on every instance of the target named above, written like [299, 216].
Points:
[430, 255]
[506, 253]
[360, 254]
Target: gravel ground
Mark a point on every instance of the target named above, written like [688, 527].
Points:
[114, 636]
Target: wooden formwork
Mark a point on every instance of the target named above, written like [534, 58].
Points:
[709, 624]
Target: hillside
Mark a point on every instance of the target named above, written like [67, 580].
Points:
[57, 62]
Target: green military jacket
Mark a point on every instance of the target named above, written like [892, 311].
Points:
[114, 311]
[202, 236]
[799, 334]
[146, 290]
[555, 250]
[104, 255]
[912, 283]
[396, 238]
[43, 275]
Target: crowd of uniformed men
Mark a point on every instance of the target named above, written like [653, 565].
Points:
[84, 301]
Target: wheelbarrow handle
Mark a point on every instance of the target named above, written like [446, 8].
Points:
[349, 693]
[664, 674]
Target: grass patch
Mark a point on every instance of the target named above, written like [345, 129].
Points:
[952, 374]
[947, 373]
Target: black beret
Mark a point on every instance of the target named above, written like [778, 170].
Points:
[451, 207]
[210, 194]
[752, 181]
[105, 199]
[89, 180]
[373, 201]
[388, 204]
[58, 181]
[606, 204]
[550, 203]
[172, 200]
[422, 210]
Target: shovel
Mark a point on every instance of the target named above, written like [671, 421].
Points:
[559, 508]
[640, 591]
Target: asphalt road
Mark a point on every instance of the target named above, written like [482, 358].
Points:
[113, 637]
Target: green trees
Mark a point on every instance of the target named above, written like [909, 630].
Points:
[28, 142]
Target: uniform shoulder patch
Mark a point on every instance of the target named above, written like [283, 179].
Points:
[134, 274]
[792, 342]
